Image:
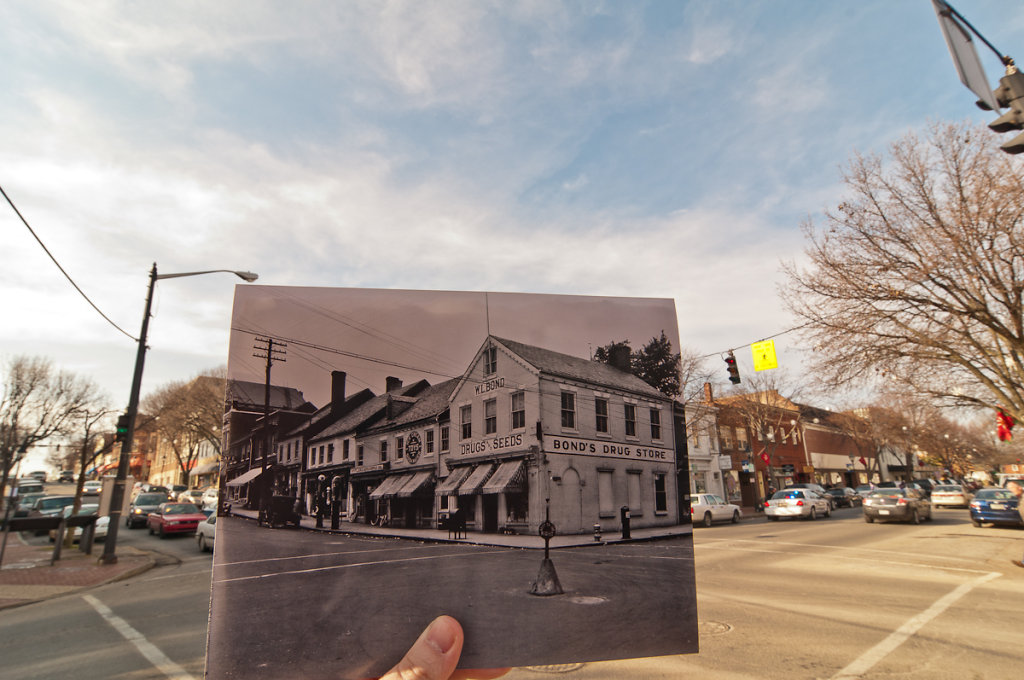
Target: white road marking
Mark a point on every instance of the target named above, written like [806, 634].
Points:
[865, 661]
[145, 647]
[311, 555]
[350, 566]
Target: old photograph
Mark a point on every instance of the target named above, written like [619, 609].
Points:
[513, 460]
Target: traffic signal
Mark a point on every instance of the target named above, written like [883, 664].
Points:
[1010, 95]
[734, 372]
[121, 433]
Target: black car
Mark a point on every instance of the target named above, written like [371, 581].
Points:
[144, 503]
[844, 497]
[67, 476]
[900, 505]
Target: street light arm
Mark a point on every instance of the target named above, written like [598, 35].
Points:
[247, 276]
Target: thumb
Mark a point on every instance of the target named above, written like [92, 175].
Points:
[434, 655]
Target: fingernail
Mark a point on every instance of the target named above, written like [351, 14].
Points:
[441, 633]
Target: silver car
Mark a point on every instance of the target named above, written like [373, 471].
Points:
[797, 503]
[951, 495]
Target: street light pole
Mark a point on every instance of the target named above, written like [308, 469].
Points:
[117, 494]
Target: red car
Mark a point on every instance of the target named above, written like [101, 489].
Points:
[174, 518]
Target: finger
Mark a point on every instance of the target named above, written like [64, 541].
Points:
[434, 655]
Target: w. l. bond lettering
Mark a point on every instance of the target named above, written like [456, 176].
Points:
[489, 386]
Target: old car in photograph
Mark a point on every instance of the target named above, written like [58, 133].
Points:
[706, 508]
[995, 506]
[797, 503]
[140, 508]
[951, 496]
[174, 518]
[893, 504]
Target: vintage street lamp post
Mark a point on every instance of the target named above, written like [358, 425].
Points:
[118, 492]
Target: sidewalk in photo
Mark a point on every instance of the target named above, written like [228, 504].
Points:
[26, 575]
[530, 541]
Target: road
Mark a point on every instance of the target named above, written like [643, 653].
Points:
[836, 598]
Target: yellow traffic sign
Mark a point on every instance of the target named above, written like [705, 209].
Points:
[764, 355]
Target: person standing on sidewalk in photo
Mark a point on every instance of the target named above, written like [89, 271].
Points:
[435, 654]
[1017, 490]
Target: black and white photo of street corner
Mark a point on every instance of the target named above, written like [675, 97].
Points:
[515, 461]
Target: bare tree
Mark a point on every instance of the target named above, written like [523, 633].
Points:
[919, 275]
[38, 403]
[187, 415]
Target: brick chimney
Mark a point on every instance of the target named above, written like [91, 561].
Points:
[392, 383]
[337, 389]
[709, 395]
[619, 357]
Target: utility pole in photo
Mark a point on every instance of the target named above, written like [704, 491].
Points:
[265, 349]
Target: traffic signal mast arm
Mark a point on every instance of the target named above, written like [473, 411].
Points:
[1010, 95]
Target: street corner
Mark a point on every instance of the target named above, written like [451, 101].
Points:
[27, 575]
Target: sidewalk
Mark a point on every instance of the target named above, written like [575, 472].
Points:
[26, 575]
[526, 541]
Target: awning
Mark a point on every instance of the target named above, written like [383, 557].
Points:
[510, 476]
[108, 466]
[137, 460]
[246, 477]
[204, 469]
[476, 479]
[450, 483]
[417, 484]
[389, 487]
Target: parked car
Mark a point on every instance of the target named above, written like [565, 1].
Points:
[994, 506]
[66, 476]
[173, 490]
[99, 531]
[174, 518]
[844, 497]
[707, 508]
[210, 496]
[797, 503]
[951, 495]
[864, 490]
[206, 533]
[27, 486]
[49, 506]
[140, 508]
[92, 488]
[25, 503]
[39, 475]
[901, 505]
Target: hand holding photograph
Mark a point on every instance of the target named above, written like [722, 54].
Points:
[514, 461]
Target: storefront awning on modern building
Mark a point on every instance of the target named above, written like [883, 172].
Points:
[417, 484]
[246, 477]
[476, 479]
[389, 487]
[450, 483]
[204, 469]
[510, 476]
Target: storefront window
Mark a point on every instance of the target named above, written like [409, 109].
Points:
[732, 486]
[518, 507]
[660, 495]
[700, 481]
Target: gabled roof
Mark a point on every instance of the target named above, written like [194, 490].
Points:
[430, 403]
[328, 414]
[369, 412]
[576, 368]
[252, 393]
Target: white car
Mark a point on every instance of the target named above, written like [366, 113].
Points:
[951, 495]
[100, 530]
[92, 488]
[706, 508]
[209, 500]
[206, 533]
[797, 503]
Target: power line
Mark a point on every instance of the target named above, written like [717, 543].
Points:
[66, 275]
[770, 337]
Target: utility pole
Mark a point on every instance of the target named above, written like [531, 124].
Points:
[265, 350]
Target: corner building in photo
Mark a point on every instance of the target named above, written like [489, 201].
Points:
[536, 431]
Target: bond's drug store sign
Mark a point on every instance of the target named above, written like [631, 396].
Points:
[593, 447]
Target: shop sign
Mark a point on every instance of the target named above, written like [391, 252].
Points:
[491, 445]
[413, 447]
[592, 447]
[489, 385]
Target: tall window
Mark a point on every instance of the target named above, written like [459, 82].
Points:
[630, 420]
[466, 419]
[428, 441]
[741, 439]
[660, 497]
[490, 361]
[330, 453]
[445, 439]
[359, 454]
[490, 416]
[321, 454]
[344, 449]
[601, 414]
[383, 450]
[518, 410]
[400, 448]
[655, 424]
[569, 410]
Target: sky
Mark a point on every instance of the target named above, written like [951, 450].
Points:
[664, 149]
